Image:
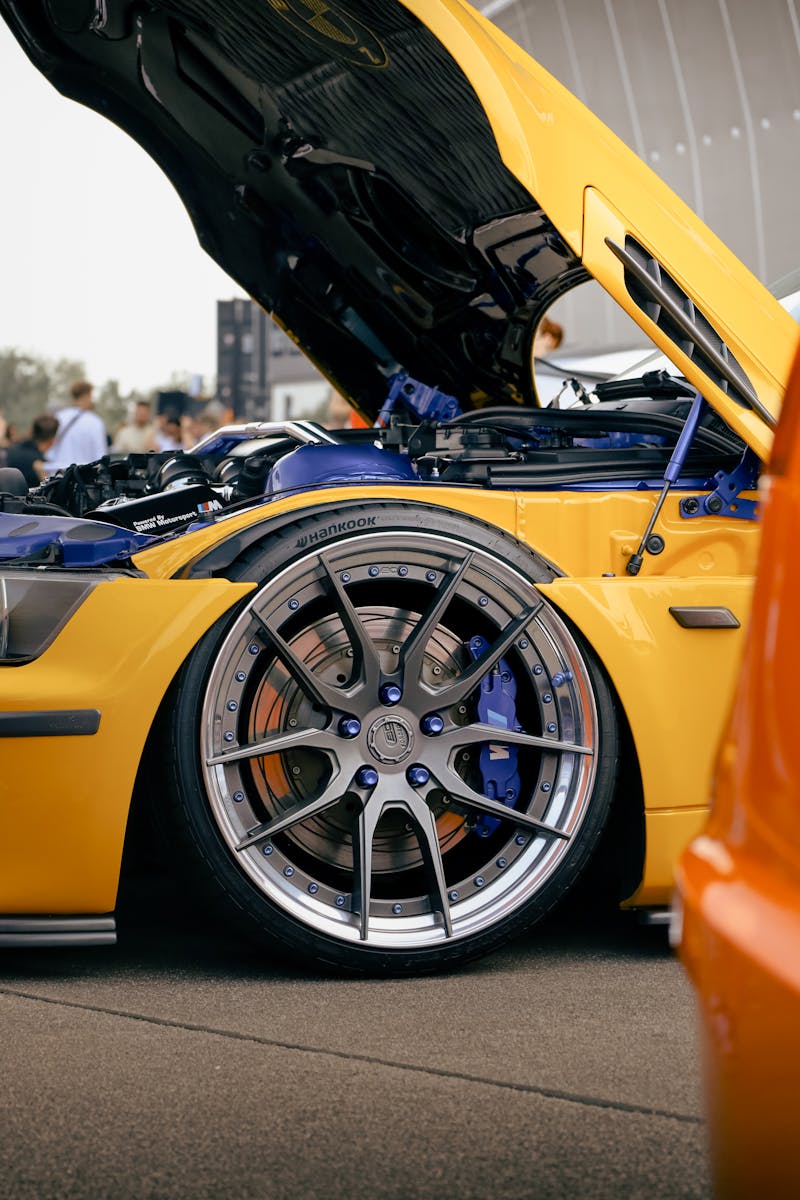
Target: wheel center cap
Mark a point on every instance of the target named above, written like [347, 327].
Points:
[390, 739]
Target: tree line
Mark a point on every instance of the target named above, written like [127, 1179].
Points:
[31, 385]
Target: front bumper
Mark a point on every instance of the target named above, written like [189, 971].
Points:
[65, 791]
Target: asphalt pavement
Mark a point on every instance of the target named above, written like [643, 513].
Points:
[180, 1066]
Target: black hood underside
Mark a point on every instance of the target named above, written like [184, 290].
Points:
[340, 168]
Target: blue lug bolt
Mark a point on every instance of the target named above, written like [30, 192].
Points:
[349, 727]
[390, 693]
[418, 776]
[397, 909]
[432, 724]
[366, 777]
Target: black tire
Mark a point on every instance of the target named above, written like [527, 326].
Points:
[353, 793]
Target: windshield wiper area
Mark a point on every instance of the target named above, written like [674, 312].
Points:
[658, 384]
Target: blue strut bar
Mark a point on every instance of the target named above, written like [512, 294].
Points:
[671, 475]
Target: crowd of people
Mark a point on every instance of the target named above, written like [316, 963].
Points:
[76, 433]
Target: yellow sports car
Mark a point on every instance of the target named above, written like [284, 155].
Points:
[387, 690]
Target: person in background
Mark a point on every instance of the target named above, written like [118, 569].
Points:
[170, 434]
[28, 456]
[201, 422]
[341, 414]
[81, 436]
[188, 425]
[139, 434]
[204, 424]
[4, 440]
[548, 337]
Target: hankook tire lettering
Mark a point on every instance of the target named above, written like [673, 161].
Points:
[331, 530]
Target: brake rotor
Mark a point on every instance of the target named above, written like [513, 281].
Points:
[282, 780]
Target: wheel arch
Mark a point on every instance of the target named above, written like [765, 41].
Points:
[618, 864]
[225, 554]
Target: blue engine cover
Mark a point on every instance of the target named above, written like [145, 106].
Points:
[315, 466]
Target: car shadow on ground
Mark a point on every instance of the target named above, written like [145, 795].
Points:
[160, 929]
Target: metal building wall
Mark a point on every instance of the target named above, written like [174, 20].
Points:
[707, 92]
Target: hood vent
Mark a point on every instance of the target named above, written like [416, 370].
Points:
[657, 294]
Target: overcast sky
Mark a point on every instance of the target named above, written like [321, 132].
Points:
[99, 261]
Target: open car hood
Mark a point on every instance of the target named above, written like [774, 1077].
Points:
[404, 189]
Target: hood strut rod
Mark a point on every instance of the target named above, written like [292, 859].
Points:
[671, 475]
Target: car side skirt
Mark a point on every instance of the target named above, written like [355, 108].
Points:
[58, 931]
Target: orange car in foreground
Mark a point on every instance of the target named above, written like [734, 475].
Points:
[739, 884]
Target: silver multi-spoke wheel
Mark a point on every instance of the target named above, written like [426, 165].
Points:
[399, 742]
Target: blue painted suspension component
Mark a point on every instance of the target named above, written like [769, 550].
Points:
[498, 762]
[427, 402]
[725, 501]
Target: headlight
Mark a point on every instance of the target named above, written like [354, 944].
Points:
[34, 607]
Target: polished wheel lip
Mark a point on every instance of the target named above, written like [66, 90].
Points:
[530, 854]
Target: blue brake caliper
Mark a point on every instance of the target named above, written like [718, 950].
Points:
[498, 762]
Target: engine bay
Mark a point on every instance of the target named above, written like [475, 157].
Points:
[626, 434]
